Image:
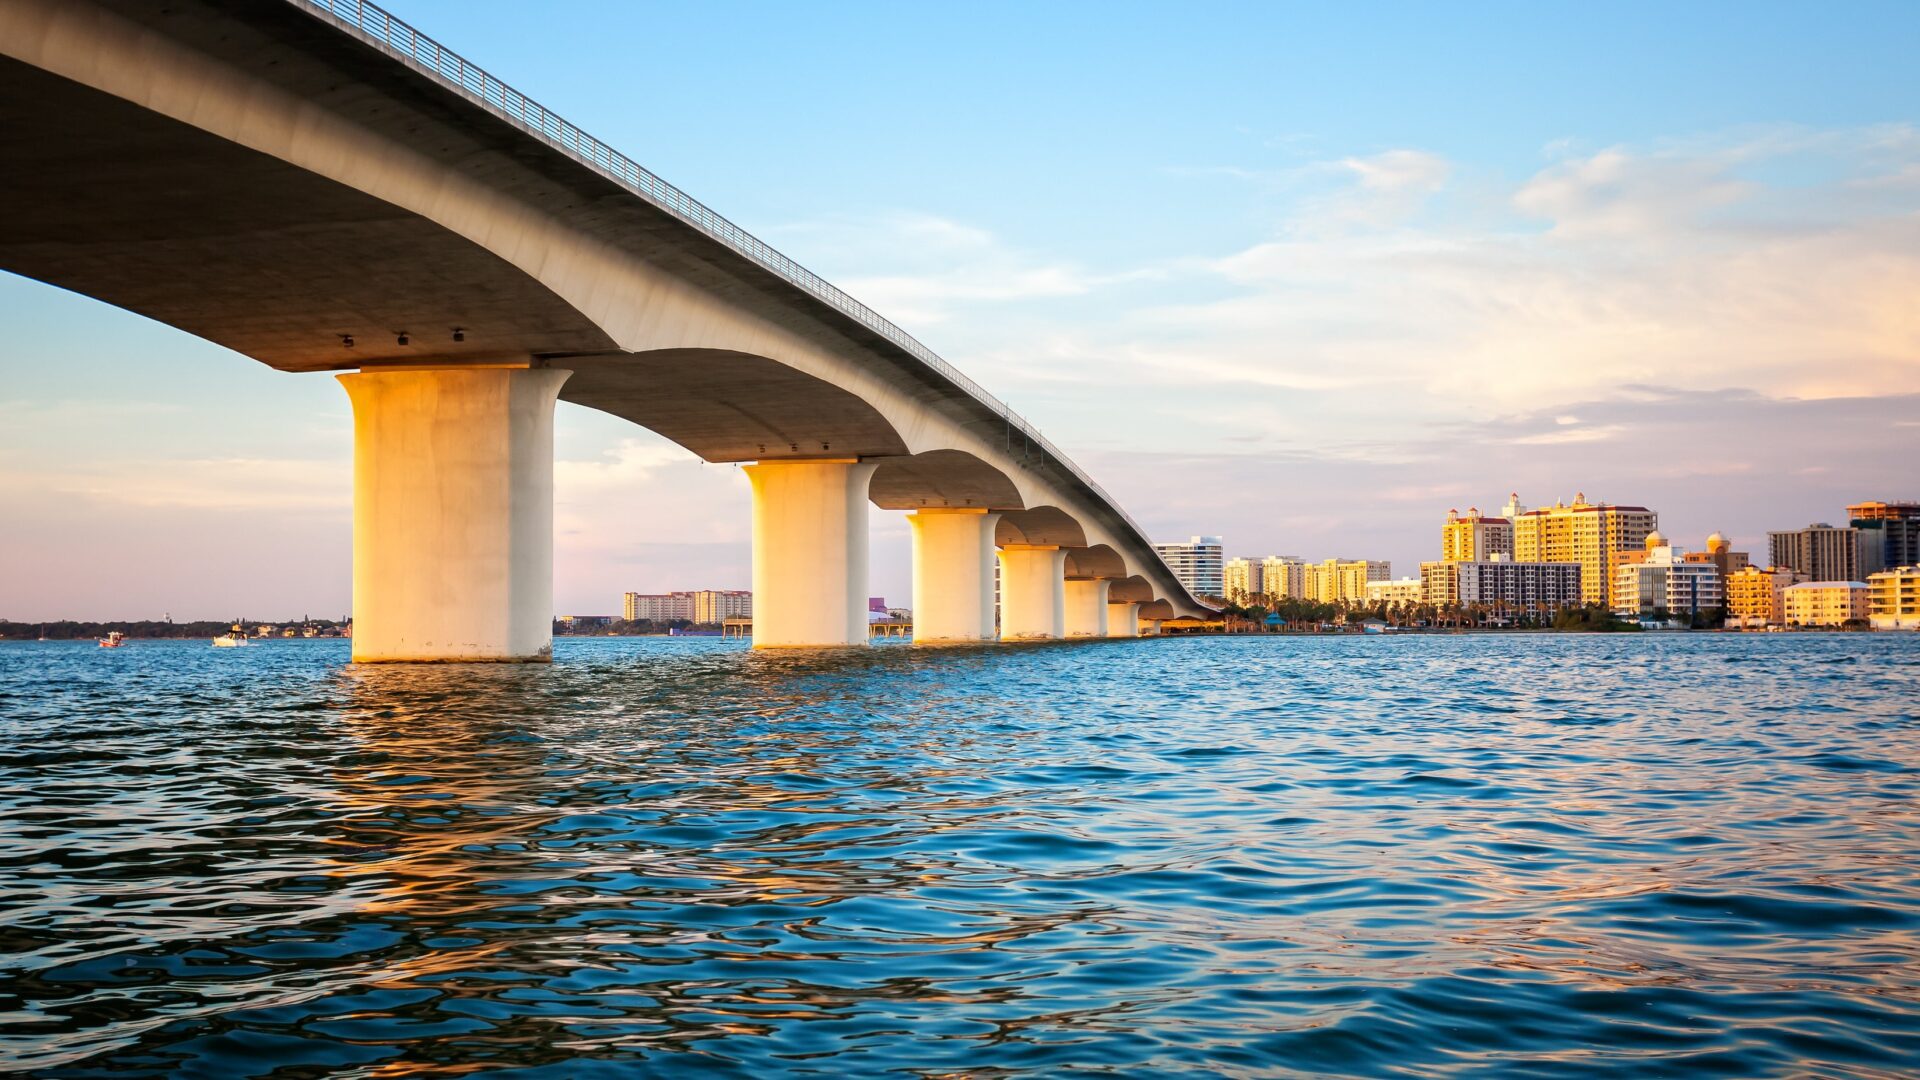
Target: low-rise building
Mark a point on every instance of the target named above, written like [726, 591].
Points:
[1396, 591]
[1893, 599]
[1826, 603]
[1756, 596]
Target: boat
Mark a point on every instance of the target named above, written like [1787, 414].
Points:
[113, 640]
[232, 639]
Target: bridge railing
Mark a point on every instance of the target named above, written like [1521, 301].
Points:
[380, 28]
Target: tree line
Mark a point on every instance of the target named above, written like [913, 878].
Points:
[1297, 614]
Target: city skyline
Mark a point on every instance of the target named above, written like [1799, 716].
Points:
[1346, 307]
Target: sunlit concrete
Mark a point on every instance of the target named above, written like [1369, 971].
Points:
[1123, 619]
[1086, 607]
[952, 574]
[1032, 592]
[453, 513]
[283, 186]
[809, 552]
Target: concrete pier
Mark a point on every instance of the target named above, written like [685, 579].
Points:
[453, 513]
[1123, 619]
[1032, 592]
[952, 574]
[809, 552]
[1086, 607]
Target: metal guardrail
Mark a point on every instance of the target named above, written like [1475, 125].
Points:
[378, 27]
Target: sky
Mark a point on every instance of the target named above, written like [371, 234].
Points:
[1301, 276]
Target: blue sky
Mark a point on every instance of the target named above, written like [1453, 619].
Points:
[1306, 276]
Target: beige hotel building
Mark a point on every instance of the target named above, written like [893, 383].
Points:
[1590, 534]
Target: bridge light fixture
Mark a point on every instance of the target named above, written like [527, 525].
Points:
[459, 334]
[401, 336]
[346, 340]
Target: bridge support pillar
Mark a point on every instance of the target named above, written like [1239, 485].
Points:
[809, 552]
[1123, 620]
[952, 574]
[1086, 608]
[453, 513]
[1032, 592]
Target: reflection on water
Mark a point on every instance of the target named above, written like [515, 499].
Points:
[1415, 856]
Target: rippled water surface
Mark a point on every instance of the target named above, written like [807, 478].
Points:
[1422, 856]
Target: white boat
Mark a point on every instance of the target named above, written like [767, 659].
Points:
[232, 639]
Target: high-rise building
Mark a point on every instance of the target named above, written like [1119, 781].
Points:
[719, 605]
[1891, 527]
[1755, 596]
[1474, 538]
[1198, 562]
[1334, 581]
[1283, 577]
[1240, 579]
[1824, 552]
[1501, 582]
[700, 606]
[1827, 603]
[1893, 599]
[1591, 534]
[1665, 579]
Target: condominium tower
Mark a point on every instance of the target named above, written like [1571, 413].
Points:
[1198, 562]
[1891, 527]
[1824, 552]
[1474, 538]
[1590, 534]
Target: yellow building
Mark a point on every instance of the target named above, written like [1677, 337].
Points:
[1590, 534]
[1756, 596]
[1893, 599]
[1283, 577]
[1826, 603]
[1240, 580]
[1440, 582]
[1474, 538]
[1333, 581]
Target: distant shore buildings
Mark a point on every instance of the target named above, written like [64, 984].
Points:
[701, 606]
[1530, 563]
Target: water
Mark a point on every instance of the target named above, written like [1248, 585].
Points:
[1517, 855]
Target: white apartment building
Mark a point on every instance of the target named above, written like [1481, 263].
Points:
[1666, 580]
[1199, 562]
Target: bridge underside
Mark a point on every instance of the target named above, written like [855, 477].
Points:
[249, 174]
[117, 202]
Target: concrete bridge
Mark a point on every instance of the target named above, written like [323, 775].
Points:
[316, 185]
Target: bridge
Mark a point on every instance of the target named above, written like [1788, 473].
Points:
[318, 186]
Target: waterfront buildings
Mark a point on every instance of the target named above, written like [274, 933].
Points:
[1755, 596]
[1283, 577]
[1824, 552]
[1893, 599]
[718, 605]
[1240, 579]
[1665, 580]
[1396, 591]
[698, 606]
[1502, 584]
[1721, 554]
[1474, 538]
[1334, 581]
[1826, 603]
[1590, 534]
[1198, 562]
[1891, 528]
